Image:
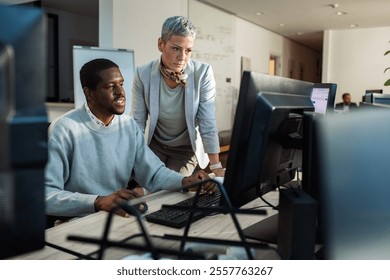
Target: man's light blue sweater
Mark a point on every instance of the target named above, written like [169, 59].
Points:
[87, 160]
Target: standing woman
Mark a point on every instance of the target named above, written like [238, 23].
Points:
[177, 94]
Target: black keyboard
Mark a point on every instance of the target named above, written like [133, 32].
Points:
[178, 218]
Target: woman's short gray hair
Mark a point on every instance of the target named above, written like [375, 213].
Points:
[179, 26]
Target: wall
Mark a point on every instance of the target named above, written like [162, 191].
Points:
[215, 43]
[259, 44]
[136, 24]
[73, 29]
[354, 59]
[301, 62]
[256, 43]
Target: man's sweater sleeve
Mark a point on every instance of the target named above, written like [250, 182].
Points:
[150, 172]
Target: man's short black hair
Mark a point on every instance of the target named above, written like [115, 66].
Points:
[90, 72]
[345, 94]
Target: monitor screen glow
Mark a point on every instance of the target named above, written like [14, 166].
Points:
[320, 97]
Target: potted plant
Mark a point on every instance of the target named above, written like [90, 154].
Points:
[387, 83]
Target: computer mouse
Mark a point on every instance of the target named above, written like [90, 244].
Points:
[143, 207]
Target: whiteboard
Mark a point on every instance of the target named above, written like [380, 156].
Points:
[215, 44]
[124, 58]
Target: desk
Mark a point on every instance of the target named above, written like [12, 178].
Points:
[92, 226]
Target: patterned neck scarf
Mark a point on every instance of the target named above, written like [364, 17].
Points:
[179, 78]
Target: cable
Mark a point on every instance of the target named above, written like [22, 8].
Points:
[269, 204]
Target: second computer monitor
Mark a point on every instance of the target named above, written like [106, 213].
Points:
[323, 97]
[266, 139]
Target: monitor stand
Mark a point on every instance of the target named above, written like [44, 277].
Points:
[265, 231]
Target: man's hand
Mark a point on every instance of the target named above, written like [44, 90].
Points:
[196, 178]
[106, 203]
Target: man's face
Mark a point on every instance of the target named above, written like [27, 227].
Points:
[347, 99]
[109, 96]
[176, 51]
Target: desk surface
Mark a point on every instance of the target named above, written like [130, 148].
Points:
[92, 226]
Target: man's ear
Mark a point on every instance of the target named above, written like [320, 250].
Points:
[87, 93]
[160, 44]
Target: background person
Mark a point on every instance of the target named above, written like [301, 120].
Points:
[346, 105]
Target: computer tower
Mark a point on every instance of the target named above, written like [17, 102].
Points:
[296, 225]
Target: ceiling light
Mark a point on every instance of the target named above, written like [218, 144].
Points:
[300, 33]
[281, 24]
[341, 13]
[334, 6]
[260, 13]
[353, 25]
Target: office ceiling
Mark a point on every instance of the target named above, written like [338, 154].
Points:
[304, 20]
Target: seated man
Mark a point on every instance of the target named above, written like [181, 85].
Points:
[346, 105]
[95, 149]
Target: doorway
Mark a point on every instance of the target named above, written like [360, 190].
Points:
[274, 65]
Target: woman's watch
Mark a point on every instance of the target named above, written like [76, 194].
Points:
[214, 166]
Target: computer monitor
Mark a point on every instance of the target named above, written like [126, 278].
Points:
[263, 111]
[23, 126]
[265, 148]
[380, 98]
[349, 180]
[313, 161]
[368, 96]
[374, 91]
[369, 105]
[323, 96]
[310, 166]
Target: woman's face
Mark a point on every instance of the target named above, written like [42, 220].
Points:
[176, 51]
